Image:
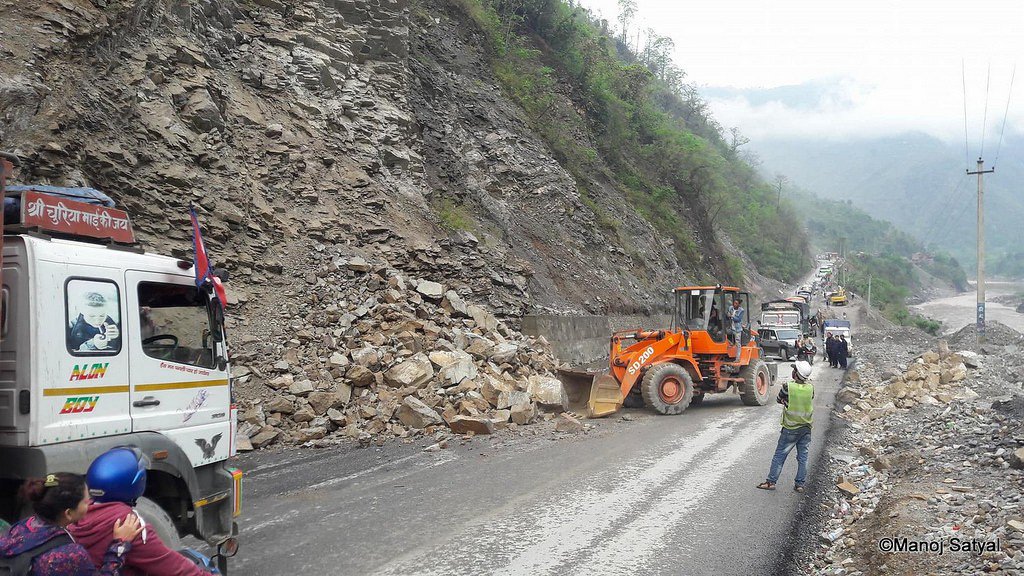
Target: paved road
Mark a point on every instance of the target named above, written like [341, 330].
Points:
[655, 495]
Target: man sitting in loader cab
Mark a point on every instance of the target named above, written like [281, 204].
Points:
[715, 325]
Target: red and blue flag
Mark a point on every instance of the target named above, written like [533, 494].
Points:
[201, 262]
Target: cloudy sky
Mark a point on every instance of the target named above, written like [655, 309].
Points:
[879, 66]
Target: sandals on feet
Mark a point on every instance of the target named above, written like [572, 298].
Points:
[766, 485]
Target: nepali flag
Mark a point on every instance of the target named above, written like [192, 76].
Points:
[204, 271]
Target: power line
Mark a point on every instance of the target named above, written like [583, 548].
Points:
[950, 220]
[942, 219]
[984, 118]
[963, 76]
[1005, 112]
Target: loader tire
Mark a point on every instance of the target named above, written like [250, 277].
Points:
[757, 383]
[667, 388]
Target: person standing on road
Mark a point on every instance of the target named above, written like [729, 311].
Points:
[797, 398]
[736, 315]
[842, 351]
[830, 350]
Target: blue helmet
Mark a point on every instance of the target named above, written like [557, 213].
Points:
[117, 475]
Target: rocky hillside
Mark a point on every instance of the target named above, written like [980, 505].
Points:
[310, 135]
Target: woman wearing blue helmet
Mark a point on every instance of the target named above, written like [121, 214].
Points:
[117, 479]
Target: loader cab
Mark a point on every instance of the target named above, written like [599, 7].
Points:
[708, 309]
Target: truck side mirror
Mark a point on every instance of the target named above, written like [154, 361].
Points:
[217, 329]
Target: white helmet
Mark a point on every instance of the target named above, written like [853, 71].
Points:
[803, 369]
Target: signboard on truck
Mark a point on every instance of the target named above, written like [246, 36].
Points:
[56, 214]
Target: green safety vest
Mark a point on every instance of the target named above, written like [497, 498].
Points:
[800, 408]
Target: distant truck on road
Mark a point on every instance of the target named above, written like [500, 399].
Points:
[786, 314]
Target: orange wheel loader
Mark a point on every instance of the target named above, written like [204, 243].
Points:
[675, 368]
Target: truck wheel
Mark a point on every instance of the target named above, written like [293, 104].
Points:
[161, 522]
[785, 353]
[757, 382]
[667, 388]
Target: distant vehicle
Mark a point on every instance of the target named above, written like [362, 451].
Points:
[838, 298]
[790, 313]
[839, 328]
[780, 342]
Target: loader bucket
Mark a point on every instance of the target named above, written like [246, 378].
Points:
[591, 395]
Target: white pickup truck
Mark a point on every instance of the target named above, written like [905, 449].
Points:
[104, 345]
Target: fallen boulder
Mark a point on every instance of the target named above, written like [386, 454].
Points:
[415, 414]
[471, 424]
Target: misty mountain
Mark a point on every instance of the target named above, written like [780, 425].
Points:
[913, 180]
[810, 95]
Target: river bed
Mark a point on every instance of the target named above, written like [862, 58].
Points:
[958, 311]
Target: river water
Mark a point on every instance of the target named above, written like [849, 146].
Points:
[955, 312]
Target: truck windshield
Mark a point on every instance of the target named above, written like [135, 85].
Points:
[175, 323]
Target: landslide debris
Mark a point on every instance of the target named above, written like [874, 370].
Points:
[933, 451]
[376, 354]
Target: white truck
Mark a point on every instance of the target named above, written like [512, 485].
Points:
[105, 345]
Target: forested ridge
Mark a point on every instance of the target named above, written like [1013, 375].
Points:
[612, 104]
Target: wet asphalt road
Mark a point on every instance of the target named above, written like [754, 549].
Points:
[655, 495]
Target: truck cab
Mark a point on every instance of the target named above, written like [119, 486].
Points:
[103, 345]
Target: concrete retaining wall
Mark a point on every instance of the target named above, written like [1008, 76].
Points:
[583, 340]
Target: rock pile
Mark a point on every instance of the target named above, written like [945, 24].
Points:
[933, 378]
[405, 357]
[934, 453]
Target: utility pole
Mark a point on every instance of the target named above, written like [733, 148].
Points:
[981, 248]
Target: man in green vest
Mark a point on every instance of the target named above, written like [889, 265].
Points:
[797, 397]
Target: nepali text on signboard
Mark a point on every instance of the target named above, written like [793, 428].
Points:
[57, 214]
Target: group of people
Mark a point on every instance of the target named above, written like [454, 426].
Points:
[837, 350]
[86, 525]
